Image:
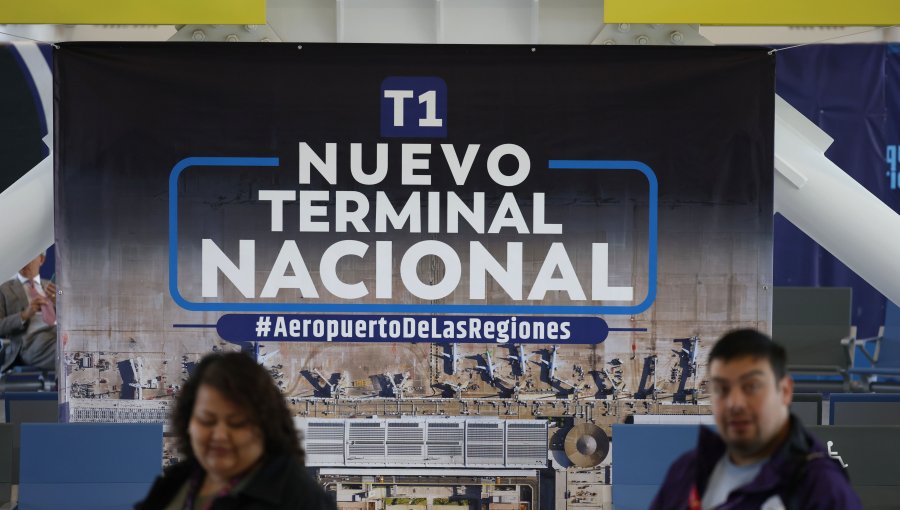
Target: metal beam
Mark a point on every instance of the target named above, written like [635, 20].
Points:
[754, 12]
[135, 12]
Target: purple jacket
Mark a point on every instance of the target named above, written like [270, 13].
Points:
[800, 473]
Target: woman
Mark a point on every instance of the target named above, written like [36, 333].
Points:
[239, 445]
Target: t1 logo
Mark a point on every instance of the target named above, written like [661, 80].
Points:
[413, 106]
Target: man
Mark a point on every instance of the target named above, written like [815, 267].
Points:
[761, 457]
[28, 319]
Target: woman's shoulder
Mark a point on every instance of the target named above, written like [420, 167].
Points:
[166, 486]
[286, 475]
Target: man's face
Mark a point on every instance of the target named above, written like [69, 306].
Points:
[32, 268]
[750, 406]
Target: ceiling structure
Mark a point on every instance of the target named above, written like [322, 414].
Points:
[448, 21]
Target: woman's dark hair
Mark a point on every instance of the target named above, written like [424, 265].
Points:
[248, 385]
[741, 343]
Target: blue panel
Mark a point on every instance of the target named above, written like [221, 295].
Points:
[87, 496]
[633, 497]
[643, 453]
[893, 372]
[67, 453]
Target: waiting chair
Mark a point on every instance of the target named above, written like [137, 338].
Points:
[6, 462]
[24, 378]
[807, 407]
[864, 409]
[97, 466]
[813, 325]
[28, 407]
[871, 456]
[882, 353]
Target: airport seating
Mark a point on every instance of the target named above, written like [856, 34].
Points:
[872, 458]
[813, 324]
[22, 381]
[28, 407]
[25, 378]
[878, 359]
[6, 462]
[864, 409]
[642, 455]
[97, 466]
[808, 407]
[17, 379]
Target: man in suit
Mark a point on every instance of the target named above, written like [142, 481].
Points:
[28, 319]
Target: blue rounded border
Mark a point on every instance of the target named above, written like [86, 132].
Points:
[556, 164]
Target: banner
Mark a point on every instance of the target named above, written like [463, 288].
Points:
[592, 218]
[852, 92]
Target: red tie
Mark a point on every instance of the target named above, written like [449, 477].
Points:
[47, 311]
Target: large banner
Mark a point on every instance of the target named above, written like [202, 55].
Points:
[408, 222]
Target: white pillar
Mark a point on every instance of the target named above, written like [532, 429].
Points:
[26, 218]
[830, 206]
[26, 207]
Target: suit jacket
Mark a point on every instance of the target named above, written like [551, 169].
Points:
[282, 483]
[13, 300]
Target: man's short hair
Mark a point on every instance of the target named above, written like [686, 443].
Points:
[740, 343]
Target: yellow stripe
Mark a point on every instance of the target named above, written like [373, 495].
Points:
[134, 12]
[754, 12]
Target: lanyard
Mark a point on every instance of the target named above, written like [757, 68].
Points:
[694, 499]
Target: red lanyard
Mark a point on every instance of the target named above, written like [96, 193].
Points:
[694, 500]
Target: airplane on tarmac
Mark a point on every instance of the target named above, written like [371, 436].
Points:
[397, 388]
[263, 357]
[454, 358]
[521, 358]
[551, 365]
[692, 351]
[336, 389]
[488, 366]
[456, 388]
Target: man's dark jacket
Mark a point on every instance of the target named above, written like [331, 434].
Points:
[800, 473]
[282, 483]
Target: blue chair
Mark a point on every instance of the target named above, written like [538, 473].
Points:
[642, 455]
[880, 358]
[98, 466]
